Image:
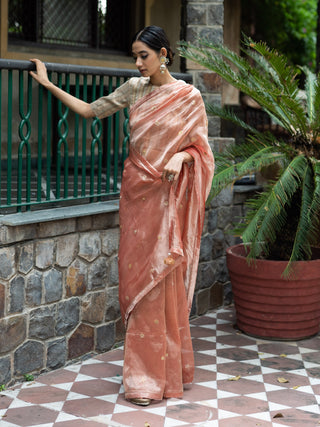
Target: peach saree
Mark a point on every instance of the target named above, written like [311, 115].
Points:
[161, 225]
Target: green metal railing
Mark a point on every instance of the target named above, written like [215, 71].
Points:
[49, 156]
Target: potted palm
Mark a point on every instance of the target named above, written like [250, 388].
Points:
[275, 272]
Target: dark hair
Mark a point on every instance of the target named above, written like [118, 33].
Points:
[155, 38]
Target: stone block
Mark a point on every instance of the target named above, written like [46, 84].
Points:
[13, 331]
[42, 323]
[33, 288]
[213, 34]
[221, 270]
[56, 353]
[44, 253]
[224, 214]
[81, 341]
[203, 301]
[214, 126]
[212, 220]
[196, 14]
[5, 370]
[224, 198]
[216, 295]
[67, 247]
[98, 273]
[67, 316]
[120, 330]
[114, 272]
[218, 244]
[216, 14]
[209, 82]
[206, 275]
[7, 262]
[29, 357]
[105, 220]
[110, 241]
[2, 299]
[52, 281]
[25, 256]
[89, 246]
[76, 281]
[84, 223]
[206, 248]
[112, 304]
[56, 228]
[105, 337]
[93, 307]
[17, 233]
[16, 294]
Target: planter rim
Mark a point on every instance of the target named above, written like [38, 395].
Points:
[236, 250]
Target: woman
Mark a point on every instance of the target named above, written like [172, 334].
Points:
[166, 180]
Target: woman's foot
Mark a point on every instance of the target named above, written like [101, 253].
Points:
[140, 401]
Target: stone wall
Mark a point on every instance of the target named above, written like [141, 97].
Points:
[58, 293]
[59, 285]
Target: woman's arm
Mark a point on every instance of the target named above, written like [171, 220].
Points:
[77, 105]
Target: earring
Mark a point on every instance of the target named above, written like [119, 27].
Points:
[163, 62]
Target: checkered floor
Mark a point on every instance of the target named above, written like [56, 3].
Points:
[239, 381]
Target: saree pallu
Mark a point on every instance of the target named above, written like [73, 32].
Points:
[160, 232]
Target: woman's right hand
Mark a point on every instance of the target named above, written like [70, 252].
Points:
[41, 75]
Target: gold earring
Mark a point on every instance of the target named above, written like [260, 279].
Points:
[163, 62]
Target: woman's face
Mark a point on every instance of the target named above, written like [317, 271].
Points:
[146, 59]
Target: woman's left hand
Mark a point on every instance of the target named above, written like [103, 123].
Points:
[173, 168]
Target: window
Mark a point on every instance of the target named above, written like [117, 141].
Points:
[89, 24]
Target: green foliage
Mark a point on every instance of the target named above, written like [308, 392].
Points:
[2, 387]
[283, 221]
[287, 25]
[28, 377]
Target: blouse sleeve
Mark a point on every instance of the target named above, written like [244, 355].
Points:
[115, 101]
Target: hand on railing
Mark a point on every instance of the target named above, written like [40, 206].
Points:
[41, 75]
[70, 101]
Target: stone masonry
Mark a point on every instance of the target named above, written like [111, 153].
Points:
[59, 287]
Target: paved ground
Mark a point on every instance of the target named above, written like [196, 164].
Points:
[239, 381]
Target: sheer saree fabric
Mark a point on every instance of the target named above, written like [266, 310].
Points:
[161, 225]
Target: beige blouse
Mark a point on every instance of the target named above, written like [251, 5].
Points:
[124, 96]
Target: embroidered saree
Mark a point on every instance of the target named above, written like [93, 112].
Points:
[161, 225]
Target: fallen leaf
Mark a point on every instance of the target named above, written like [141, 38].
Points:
[278, 415]
[295, 387]
[235, 378]
[283, 355]
[146, 424]
[282, 380]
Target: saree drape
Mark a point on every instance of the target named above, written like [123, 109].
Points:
[161, 225]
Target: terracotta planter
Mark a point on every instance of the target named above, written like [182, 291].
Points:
[270, 306]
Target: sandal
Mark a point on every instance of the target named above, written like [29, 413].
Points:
[140, 401]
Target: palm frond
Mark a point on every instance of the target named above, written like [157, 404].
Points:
[250, 80]
[310, 90]
[315, 205]
[302, 243]
[228, 174]
[315, 125]
[267, 220]
[227, 114]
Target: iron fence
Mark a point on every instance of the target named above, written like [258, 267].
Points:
[49, 156]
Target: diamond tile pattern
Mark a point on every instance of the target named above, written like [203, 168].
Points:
[239, 381]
